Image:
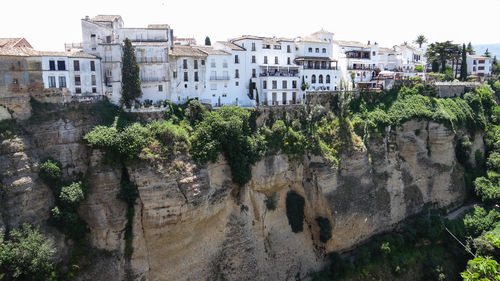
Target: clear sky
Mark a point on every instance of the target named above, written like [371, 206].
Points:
[48, 24]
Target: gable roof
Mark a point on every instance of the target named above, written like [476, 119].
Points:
[478, 57]
[322, 31]
[14, 42]
[211, 51]
[231, 46]
[186, 51]
[106, 18]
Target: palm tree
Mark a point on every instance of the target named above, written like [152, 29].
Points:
[421, 40]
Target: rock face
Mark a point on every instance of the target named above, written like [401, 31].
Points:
[192, 223]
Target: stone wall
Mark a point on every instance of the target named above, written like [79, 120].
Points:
[455, 89]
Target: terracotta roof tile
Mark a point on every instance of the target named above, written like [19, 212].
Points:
[14, 42]
[231, 46]
[211, 51]
[186, 51]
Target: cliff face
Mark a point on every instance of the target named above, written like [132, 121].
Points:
[192, 223]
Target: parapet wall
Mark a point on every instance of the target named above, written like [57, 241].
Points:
[455, 89]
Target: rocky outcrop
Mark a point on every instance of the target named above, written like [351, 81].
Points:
[192, 223]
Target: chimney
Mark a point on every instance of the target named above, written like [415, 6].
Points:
[87, 18]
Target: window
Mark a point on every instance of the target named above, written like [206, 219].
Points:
[275, 84]
[78, 90]
[225, 75]
[76, 65]
[202, 62]
[288, 61]
[480, 68]
[62, 82]
[253, 59]
[294, 84]
[52, 65]
[265, 59]
[61, 65]
[195, 64]
[284, 84]
[264, 84]
[186, 76]
[310, 50]
[253, 46]
[15, 81]
[224, 64]
[236, 73]
[160, 88]
[236, 59]
[254, 73]
[321, 79]
[288, 50]
[196, 76]
[77, 80]
[174, 74]
[275, 60]
[213, 86]
[184, 64]
[236, 83]
[313, 79]
[93, 80]
[317, 50]
[481, 61]
[52, 81]
[92, 65]
[92, 36]
[212, 63]
[108, 39]
[327, 79]
[94, 90]
[283, 97]
[266, 46]
[373, 53]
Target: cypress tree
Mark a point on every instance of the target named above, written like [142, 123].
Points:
[470, 49]
[131, 83]
[463, 68]
[207, 41]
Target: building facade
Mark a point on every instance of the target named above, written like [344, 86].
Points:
[479, 65]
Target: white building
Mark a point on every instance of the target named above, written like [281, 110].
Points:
[387, 59]
[317, 68]
[103, 36]
[79, 72]
[408, 57]
[479, 65]
[187, 67]
[360, 59]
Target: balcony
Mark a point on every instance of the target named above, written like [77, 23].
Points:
[361, 67]
[219, 78]
[154, 79]
[279, 74]
[320, 67]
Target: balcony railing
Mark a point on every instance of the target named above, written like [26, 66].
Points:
[153, 79]
[319, 67]
[281, 74]
[361, 67]
[221, 78]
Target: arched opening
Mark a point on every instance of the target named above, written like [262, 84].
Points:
[313, 79]
[328, 79]
[321, 78]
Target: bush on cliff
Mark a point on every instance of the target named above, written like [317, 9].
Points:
[228, 131]
[26, 255]
[50, 171]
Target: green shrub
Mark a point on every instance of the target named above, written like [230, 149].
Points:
[228, 131]
[419, 68]
[295, 211]
[26, 255]
[71, 195]
[482, 269]
[50, 171]
[174, 138]
[480, 220]
[325, 229]
[486, 190]
[68, 221]
[463, 149]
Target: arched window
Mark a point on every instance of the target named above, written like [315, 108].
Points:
[321, 78]
[328, 79]
[313, 79]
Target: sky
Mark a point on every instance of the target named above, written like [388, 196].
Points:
[48, 24]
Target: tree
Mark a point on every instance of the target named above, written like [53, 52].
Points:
[207, 41]
[482, 268]
[250, 89]
[470, 49]
[131, 83]
[463, 68]
[26, 255]
[442, 52]
[421, 40]
[487, 53]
